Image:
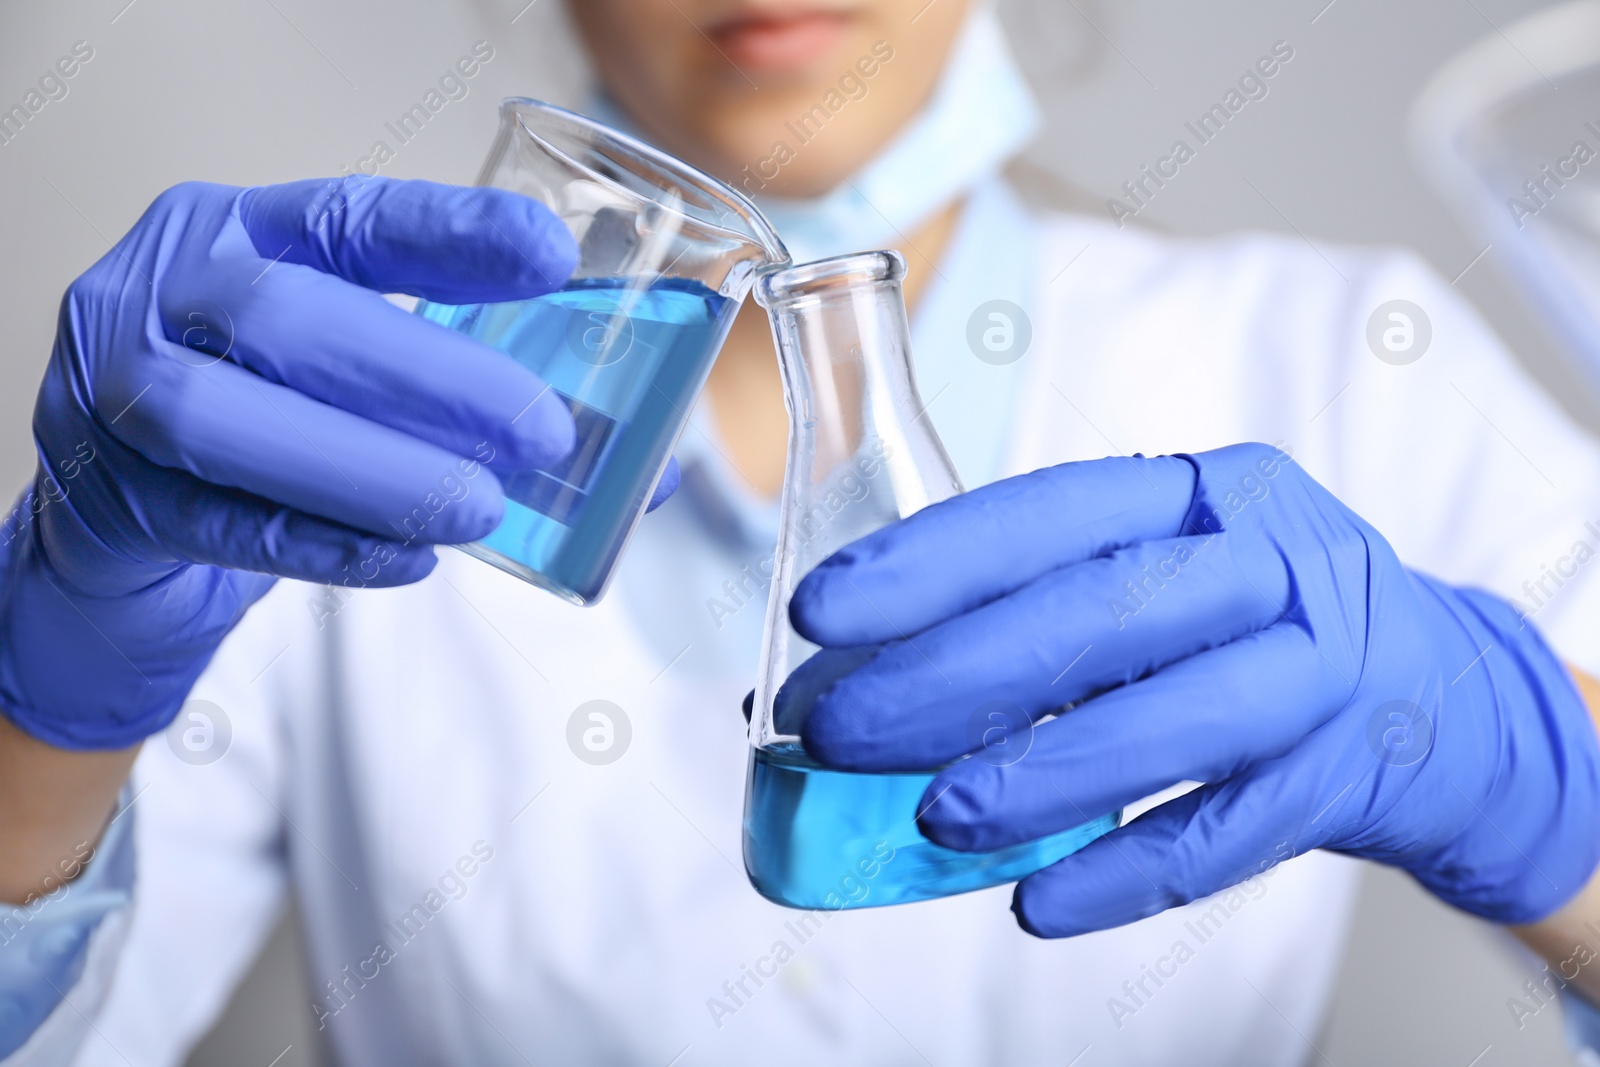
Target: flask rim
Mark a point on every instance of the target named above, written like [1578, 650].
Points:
[823, 276]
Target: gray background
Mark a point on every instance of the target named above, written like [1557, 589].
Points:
[266, 90]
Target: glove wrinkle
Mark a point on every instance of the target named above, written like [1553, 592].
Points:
[1331, 697]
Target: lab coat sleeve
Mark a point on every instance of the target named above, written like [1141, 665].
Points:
[1582, 1022]
[57, 952]
[208, 834]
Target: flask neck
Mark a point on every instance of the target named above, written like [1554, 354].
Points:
[862, 451]
[844, 349]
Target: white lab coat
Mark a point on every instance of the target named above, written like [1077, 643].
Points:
[423, 730]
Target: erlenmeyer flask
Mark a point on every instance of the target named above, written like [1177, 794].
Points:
[666, 255]
[862, 454]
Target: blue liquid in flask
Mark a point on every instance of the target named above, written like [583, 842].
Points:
[820, 838]
[628, 360]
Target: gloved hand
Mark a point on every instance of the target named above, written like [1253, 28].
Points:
[1223, 619]
[229, 399]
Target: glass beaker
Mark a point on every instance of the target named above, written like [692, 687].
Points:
[862, 454]
[666, 256]
[1509, 136]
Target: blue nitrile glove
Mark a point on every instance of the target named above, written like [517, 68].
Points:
[230, 398]
[1224, 619]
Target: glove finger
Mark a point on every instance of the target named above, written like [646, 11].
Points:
[1199, 844]
[350, 348]
[1076, 631]
[447, 243]
[228, 427]
[229, 528]
[798, 697]
[1204, 719]
[197, 522]
[952, 556]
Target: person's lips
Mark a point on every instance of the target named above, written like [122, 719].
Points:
[780, 42]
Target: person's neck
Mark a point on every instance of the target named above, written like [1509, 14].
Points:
[745, 391]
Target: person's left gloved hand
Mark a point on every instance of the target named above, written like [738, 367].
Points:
[1223, 619]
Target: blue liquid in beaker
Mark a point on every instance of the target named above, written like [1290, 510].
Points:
[628, 360]
[820, 838]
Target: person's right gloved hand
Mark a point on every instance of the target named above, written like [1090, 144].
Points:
[231, 399]
[1219, 618]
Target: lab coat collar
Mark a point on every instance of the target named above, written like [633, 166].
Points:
[992, 256]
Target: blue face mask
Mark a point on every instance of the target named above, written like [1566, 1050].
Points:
[980, 115]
